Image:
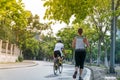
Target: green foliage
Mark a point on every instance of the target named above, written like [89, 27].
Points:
[98, 20]
[17, 25]
[117, 51]
[20, 59]
[63, 10]
[68, 33]
[118, 79]
[30, 48]
[47, 45]
[34, 23]
[13, 18]
[118, 23]
[33, 45]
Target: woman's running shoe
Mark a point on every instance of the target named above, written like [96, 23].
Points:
[80, 78]
[74, 75]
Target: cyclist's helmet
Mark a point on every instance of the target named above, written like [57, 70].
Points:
[60, 41]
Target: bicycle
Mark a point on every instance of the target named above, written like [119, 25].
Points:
[58, 66]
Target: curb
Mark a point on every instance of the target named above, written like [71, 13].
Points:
[92, 73]
[88, 74]
[20, 65]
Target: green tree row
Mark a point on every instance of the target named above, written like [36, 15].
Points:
[20, 27]
[93, 16]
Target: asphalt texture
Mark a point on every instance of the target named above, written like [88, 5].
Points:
[38, 65]
[26, 63]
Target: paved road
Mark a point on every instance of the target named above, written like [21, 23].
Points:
[42, 71]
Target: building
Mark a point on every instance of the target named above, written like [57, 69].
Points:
[8, 52]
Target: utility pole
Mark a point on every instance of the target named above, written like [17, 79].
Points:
[113, 38]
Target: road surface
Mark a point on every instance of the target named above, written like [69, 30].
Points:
[42, 71]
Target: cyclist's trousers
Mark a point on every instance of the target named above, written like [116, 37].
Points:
[57, 54]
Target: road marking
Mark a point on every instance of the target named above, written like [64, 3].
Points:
[110, 78]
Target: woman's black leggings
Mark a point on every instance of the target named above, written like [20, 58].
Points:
[80, 58]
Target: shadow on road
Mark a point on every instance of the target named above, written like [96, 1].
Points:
[51, 76]
[58, 77]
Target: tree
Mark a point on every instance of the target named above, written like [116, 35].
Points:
[69, 32]
[12, 19]
[18, 26]
[98, 11]
[63, 10]
[33, 30]
[117, 51]
[101, 19]
[31, 45]
[47, 45]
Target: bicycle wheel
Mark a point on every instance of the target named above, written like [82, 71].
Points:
[55, 69]
[60, 68]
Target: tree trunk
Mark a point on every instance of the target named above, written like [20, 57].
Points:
[99, 52]
[106, 59]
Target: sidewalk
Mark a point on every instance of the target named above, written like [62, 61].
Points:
[101, 73]
[26, 63]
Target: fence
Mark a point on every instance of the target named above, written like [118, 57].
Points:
[8, 52]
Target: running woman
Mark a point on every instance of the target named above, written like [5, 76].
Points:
[78, 44]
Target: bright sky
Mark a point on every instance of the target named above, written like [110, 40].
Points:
[36, 7]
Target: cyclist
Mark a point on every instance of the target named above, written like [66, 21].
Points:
[79, 43]
[58, 51]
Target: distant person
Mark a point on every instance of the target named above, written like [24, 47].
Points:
[58, 50]
[79, 43]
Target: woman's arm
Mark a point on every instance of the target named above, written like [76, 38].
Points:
[86, 42]
[73, 43]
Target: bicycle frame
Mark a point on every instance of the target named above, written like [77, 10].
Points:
[58, 66]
